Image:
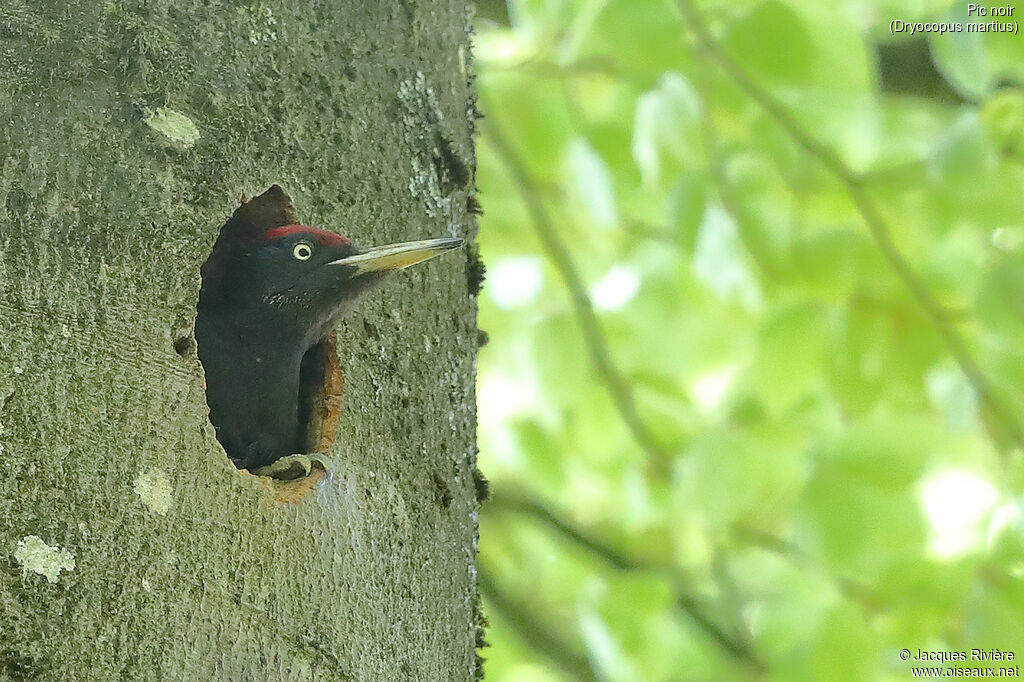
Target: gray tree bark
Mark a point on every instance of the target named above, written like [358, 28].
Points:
[130, 547]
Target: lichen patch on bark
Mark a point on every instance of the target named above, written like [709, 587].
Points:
[175, 125]
[38, 557]
[155, 490]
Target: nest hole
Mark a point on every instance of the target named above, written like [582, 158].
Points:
[320, 386]
[319, 412]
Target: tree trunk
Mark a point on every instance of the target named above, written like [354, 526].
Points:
[135, 550]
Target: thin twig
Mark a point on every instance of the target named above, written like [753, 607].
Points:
[655, 233]
[872, 217]
[617, 386]
[732, 601]
[527, 625]
[687, 602]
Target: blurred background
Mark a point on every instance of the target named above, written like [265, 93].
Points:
[753, 401]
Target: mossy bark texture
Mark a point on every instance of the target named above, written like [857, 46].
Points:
[130, 548]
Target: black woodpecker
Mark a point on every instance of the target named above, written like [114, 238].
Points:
[272, 290]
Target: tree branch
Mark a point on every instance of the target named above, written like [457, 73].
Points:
[686, 602]
[527, 625]
[593, 337]
[863, 594]
[870, 214]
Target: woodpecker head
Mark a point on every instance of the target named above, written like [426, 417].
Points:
[300, 279]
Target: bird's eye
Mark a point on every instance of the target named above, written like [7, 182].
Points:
[302, 251]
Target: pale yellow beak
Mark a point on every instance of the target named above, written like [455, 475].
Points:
[398, 256]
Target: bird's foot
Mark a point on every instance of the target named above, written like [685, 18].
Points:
[293, 466]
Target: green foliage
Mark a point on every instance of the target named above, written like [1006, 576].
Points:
[809, 293]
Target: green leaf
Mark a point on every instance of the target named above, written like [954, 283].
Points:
[1003, 118]
[963, 57]
[845, 648]
[666, 121]
[954, 396]
[720, 262]
[646, 37]
[791, 352]
[593, 183]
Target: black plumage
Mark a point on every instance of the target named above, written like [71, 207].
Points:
[272, 291]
